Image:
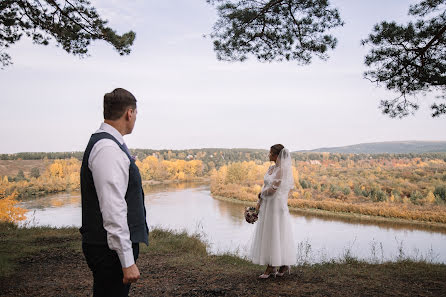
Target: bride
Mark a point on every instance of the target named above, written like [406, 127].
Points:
[273, 241]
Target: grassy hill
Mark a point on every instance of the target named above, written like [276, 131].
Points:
[390, 147]
[175, 264]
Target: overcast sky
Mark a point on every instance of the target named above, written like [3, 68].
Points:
[52, 101]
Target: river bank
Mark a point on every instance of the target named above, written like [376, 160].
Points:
[353, 217]
[170, 182]
[49, 262]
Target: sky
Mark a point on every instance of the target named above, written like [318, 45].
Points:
[52, 101]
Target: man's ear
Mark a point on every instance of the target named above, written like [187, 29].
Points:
[128, 114]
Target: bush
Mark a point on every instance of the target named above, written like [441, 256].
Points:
[440, 192]
[333, 189]
[378, 195]
[416, 197]
[304, 184]
[396, 194]
[35, 172]
[20, 176]
[323, 187]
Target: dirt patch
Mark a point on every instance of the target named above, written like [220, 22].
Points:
[59, 272]
[63, 272]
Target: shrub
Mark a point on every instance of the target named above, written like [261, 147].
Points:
[416, 197]
[304, 184]
[323, 187]
[440, 192]
[378, 195]
[35, 172]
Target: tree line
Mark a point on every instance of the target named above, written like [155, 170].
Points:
[217, 157]
[401, 188]
[401, 183]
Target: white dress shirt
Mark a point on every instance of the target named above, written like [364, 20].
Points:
[110, 168]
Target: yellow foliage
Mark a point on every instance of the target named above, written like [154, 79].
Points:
[378, 209]
[59, 176]
[392, 198]
[9, 212]
[430, 198]
[296, 177]
[362, 188]
[153, 169]
[63, 168]
[257, 188]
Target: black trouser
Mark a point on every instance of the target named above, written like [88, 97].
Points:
[107, 270]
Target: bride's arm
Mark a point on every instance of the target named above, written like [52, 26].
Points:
[270, 190]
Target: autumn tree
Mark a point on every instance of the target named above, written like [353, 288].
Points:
[153, 169]
[236, 173]
[274, 30]
[71, 24]
[410, 59]
[9, 211]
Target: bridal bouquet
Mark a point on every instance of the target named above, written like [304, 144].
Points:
[251, 215]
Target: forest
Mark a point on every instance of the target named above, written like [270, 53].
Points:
[404, 188]
[407, 186]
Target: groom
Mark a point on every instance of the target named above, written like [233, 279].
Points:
[113, 212]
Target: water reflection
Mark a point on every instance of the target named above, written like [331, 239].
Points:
[190, 207]
[168, 187]
[52, 201]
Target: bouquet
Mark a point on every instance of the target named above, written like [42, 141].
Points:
[251, 215]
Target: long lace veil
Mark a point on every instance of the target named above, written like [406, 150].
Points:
[285, 171]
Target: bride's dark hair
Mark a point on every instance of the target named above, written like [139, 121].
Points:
[275, 149]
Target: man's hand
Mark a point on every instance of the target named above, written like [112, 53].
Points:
[131, 274]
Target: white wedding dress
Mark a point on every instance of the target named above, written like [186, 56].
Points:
[273, 241]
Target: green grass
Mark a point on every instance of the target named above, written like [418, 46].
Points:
[17, 243]
[167, 242]
[178, 263]
[179, 249]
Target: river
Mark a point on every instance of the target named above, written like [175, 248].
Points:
[191, 208]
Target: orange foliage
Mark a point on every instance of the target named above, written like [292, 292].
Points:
[61, 175]
[153, 169]
[9, 212]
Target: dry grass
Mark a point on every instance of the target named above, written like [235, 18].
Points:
[12, 167]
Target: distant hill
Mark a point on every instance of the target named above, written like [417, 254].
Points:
[390, 147]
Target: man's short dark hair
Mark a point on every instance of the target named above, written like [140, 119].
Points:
[117, 102]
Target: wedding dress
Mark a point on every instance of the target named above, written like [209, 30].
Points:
[273, 241]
